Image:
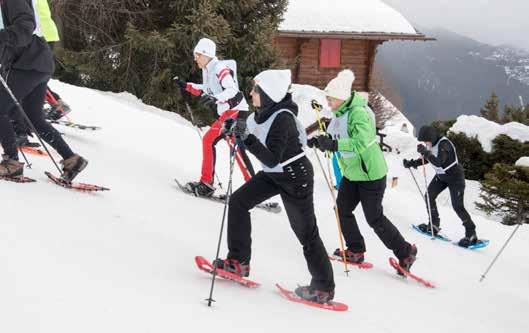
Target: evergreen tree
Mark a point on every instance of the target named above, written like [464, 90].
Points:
[491, 109]
[139, 46]
[505, 192]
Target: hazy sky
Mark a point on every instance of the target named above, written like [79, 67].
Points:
[489, 21]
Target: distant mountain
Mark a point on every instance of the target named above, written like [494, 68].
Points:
[453, 75]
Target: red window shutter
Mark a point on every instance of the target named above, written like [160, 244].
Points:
[330, 53]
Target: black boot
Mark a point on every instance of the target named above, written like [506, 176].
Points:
[233, 266]
[468, 240]
[313, 295]
[407, 262]
[350, 256]
[72, 166]
[426, 229]
[200, 189]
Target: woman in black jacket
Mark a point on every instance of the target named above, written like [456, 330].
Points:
[441, 153]
[27, 65]
[276, 138]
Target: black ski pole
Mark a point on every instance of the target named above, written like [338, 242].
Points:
[25, 158]
[520, 222]
[427, 197]
[194, 123]
[23, 113]
[226, 202]
[416, 183]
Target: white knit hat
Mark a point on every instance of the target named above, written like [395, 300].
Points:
[274, 83]
[341, 86]
[206, 47]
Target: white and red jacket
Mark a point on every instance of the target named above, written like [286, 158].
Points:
[219, 82]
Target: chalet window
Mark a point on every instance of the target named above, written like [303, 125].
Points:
[330, 53]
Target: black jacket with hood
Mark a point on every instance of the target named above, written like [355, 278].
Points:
[445, 157]
[282, 142]
[20, 48]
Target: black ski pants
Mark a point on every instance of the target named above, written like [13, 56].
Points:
[297, 196]
[29, 87]
[370, 195]
[457, 196]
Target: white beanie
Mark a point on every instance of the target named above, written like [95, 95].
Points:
[206, 47]
[274, 83]
[341, 86]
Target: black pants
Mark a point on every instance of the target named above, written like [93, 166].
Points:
[29, 87]
[297, 197]
[457, 196]
[370, 195]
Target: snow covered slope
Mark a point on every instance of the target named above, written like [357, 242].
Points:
[122, 261]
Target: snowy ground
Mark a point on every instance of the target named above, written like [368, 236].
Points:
[122, 261]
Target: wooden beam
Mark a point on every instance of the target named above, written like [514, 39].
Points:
[371, 62]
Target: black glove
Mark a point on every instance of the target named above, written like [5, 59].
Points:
[240, 130]
[180, 83]
[408, 164]
[250, 140]
[312, 142]
[421, 149]
[326, 143]
[208, 101]
[228, 126]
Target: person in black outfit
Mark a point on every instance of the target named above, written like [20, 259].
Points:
[441, 153]
[276, 138]
[27, 64]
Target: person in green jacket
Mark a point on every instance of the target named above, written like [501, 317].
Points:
[352, 134]
[49, 30]
[47, 26]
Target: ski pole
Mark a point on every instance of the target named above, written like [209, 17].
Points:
[190, 111]
[427, 197]
[317, 108]
[340, 234]
[484, 275]
[23, 113]
[416, 183]
[25, 158]
[227, 200]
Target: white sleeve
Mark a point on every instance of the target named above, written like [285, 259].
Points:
[230, 88]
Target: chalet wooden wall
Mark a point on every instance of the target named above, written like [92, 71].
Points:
[302, 56]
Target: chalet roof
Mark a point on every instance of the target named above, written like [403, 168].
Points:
[370, 19]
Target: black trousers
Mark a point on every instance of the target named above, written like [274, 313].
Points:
[457, 196]
[370, 195]
[29, 87]
[297, 197]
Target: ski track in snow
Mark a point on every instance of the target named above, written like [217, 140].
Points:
[123, 261]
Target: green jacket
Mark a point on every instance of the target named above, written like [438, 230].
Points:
[49, 29]
[360, 157]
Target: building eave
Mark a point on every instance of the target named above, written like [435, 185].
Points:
[380, 36]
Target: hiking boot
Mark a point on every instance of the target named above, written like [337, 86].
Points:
[23, 141]
[233, 266]
[200, 189]
[407, 262]
[59, 110]
[313, 295]
[11, 168]
[350, 256]
[427, 230]
[72, 166]
[468, 241]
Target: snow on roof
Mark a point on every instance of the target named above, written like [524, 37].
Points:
[486, 130]
[523, 162]
[353, 16]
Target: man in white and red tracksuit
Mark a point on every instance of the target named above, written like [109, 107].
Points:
[219, 88]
